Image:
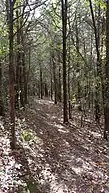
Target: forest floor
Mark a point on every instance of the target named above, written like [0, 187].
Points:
[52, 157]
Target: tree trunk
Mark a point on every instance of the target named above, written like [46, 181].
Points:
[59, 82]
[41, 83]
[28, 72]
[22, 69]
[55, 80]
[99, 73]
[69, 94]
[64, 32]
[1, 93]
[24, 77]
[11, 75]
[106, 110]
[21, 85]
[17, 88]
[51, 87]
[51, 77]
[78, 69]
[46, 89]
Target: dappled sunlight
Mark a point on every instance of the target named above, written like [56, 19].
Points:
[95, 134]
[63, 130]
[58, 157]
[59, 126]
[85, 141]
[54, 186]
[60, 119]
[52, 117]
[43, 101]
[1, 125]
[8, 166]
[77, 170]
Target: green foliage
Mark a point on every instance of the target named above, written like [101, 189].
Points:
[101, 3]
[3, 42]
[27, 135]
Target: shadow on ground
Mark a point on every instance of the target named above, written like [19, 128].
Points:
[62, 158]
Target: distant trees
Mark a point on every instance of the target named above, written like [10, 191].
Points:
[59, 54]
[18, 27]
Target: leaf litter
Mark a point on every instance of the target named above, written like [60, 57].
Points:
[52, 157]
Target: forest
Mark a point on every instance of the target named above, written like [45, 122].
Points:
[54, 96]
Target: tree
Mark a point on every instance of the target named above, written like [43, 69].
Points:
[106, 110]
[64, 33]
[1, 91]
[44, 50]
[10, 6]
[99, 71]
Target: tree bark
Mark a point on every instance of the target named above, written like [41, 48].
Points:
[55, 80]
[22, 67]
[17, 86]
[64, 32]
[106, 110]
[59, 77]
[99, 73]
[24, 77]
[1, 92]
[28, 72]
[41, 83]
[69, 92]
[51, 77]
[11, 75]
[78, 69]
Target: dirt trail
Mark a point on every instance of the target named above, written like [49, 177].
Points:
[65, 158]
[53, 157]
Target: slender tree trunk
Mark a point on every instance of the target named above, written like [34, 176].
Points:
[91, 101]
[55, 80]
[1, 92]
[22, 69]
[59, 80]
[41, 83]
[51, 81]
[69, 66]
[28, 73]
[70, 80]
[99, 73]
[78, 69]
[11, 75]
[60, 83]
[64, 32]
[51, 88]
[21, 84]
[17, 88]
[106, 110]
[46, 89]
[24, 77]
[69, 94]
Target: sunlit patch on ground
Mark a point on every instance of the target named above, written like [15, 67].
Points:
[45, 102]
[9, 180]
[1, 125]
[95, 134]
[53, 157]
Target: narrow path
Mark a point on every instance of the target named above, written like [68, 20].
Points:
[64, 158]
